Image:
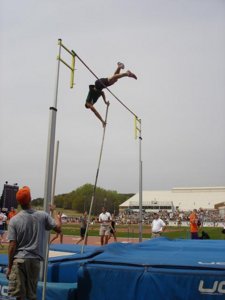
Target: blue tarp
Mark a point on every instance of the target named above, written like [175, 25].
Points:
[74, 248]
[54, 291]
[63, 268]
[156, 269]
[3, 263]
[166, 252]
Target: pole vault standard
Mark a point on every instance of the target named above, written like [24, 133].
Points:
[52, 126]
[50, 148]
[52, 123]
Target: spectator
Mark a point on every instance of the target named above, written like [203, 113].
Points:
[112, 228]
[3, 219]
[158, 226]
[105, 220]
[83, 227]
[12, 213]
[204, 236]
[194, 224]
[26, 248]
[223, 230]
[58, 234]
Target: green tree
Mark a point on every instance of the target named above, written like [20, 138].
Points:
[80, 199]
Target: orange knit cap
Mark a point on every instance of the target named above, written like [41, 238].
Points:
[23, 195]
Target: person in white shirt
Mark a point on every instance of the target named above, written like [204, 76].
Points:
[158, 226]
[3, 219]
[105, 221]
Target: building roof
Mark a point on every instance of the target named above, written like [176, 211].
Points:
[184, 198]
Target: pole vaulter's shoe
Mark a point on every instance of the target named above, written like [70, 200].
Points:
[130, 74]
[120, 65]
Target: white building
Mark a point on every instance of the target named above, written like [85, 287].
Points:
[222, 211]
[182, 198]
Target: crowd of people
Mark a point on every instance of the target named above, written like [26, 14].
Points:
[107, 227]
[177, 218]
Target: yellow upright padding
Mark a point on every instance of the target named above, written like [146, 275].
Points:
[135, 128]
[72, 70]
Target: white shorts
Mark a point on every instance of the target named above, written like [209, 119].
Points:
[104, 230]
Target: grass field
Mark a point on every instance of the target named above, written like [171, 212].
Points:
[132, 231]
[172, 232]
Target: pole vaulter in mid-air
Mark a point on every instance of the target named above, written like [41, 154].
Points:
[95, 91]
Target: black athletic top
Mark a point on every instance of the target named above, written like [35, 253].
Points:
[93, 94]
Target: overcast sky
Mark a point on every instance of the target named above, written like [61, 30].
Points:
[177, 50]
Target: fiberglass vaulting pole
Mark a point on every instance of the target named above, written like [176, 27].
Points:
[96, 181]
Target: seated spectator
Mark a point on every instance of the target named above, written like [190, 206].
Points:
[204, 236]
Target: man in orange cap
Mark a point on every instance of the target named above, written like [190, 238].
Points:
[26, 249]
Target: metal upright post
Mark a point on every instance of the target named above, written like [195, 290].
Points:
[140, 184]
[51, 142]
[49, 169]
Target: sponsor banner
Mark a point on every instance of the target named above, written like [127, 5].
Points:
[142, 283]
